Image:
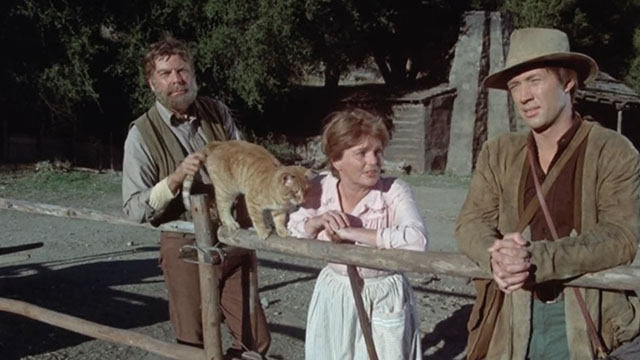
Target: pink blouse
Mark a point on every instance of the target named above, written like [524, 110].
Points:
[388, 208]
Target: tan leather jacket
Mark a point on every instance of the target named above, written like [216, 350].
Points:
[610, 218]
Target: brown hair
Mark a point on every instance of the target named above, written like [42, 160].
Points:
[565, 75]
[164, 49]
[344, 129]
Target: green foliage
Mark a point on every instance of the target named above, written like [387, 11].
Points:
[405, 38]
[246, 51]
[538, 13]
[633, 75]
[66, 79]
[80, 59]
[279, 146]
[251, 49]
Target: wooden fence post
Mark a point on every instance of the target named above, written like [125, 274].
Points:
[253, 299]
[209, 278]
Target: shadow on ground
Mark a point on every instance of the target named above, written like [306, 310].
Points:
[87, 291]
[451, 333]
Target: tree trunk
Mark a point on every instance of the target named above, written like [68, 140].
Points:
[4, 140]
[379, 58]
[331, 75]
[394, 71]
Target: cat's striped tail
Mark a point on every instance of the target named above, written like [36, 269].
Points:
[188, 181]
[186, 192]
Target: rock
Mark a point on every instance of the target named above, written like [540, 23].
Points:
[264, 302]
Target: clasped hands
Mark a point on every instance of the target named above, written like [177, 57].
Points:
[336, 225]
[510, 262]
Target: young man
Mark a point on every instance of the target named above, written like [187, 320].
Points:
[591, 178]
[159, 153]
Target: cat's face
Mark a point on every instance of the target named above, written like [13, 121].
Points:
[294, 182]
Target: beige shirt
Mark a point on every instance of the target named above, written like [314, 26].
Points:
[144, 194]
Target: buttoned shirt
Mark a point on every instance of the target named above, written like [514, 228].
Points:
[561, 195]
[389, 208]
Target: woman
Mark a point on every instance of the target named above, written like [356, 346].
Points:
[354, 203]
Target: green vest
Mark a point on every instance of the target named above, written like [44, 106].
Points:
[167, 152]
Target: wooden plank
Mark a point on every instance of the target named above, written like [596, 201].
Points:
[452, 264]
[209, 279]
[88, 214]
[102, 332]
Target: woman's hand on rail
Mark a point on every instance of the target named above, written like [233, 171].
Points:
[330, 221]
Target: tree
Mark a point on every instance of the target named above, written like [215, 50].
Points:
[84, 55]
[404, 38]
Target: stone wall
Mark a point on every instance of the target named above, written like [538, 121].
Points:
[477, 115]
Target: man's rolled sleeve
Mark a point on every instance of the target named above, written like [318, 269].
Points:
[139, 177]
[161, 195]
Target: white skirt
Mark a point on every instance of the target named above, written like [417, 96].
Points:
[333, 330]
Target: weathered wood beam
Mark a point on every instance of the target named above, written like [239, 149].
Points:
[209, 279]
[453, 264]
[443, 263]
[102, 332]
[88, 214]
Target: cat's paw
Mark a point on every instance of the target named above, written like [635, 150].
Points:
[231, 225]
[263, 234]
[282, 232]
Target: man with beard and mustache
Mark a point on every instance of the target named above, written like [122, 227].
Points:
[159, 152]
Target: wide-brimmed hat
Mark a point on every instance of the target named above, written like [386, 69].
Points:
[535, 47]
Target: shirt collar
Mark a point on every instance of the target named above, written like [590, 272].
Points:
[170, 118]
[372, 201]
[564, 140]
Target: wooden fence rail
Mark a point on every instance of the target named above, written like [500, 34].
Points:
[452, 264]
[102, 332]
[433, 262]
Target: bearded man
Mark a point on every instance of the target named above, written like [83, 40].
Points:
[159, 152]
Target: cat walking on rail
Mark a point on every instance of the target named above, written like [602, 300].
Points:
[239, 167]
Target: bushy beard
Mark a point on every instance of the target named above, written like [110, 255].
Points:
[178, 103]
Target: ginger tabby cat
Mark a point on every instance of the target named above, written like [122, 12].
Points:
[239, 167]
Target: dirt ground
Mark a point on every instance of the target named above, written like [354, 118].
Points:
[109, 274]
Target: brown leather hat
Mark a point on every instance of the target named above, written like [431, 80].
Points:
[535, 47]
